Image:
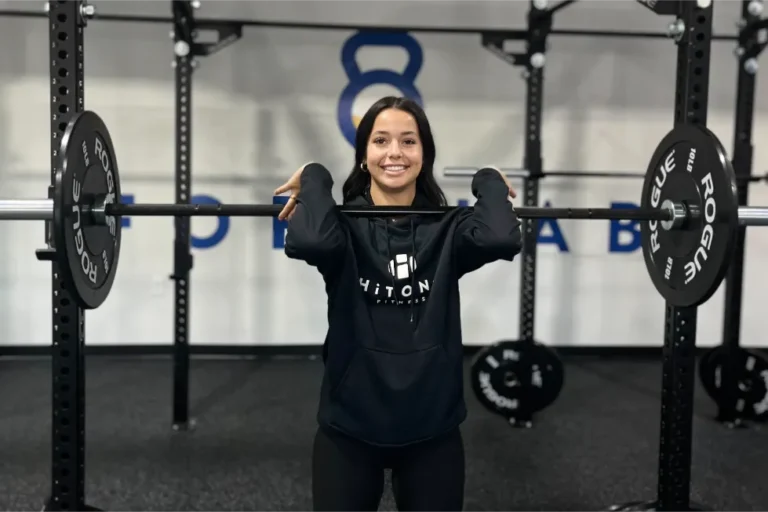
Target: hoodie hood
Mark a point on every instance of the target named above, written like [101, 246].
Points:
[365, 199]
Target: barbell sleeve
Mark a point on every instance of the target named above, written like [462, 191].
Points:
[26, 209]
[753, 215]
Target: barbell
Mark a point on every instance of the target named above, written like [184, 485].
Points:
[688, 203]
[525, 174]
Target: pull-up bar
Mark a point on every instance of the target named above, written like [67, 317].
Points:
[520, 34]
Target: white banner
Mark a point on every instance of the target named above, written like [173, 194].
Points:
[279, 98]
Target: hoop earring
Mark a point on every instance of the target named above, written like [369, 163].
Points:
[363, 167]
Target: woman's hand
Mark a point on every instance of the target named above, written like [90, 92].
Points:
[293, 185]
[512, 192]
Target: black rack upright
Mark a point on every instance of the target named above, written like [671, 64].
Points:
[186, 49]
[182, 255]
[679, 351]
[532, 61]
[539, 23]
[678, 370]
[66, 24]
[747, 52]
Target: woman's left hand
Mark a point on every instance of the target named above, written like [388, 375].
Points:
[512, 192]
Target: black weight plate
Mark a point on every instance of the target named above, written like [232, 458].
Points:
[751, 380]
[690, 167]
[516, 378]
[706, 371]
[87, 252]
[710, 368]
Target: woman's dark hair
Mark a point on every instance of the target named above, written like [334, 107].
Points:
[426, 185]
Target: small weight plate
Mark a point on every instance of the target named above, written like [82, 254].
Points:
[87, 252]
[751, 380]
[516, 378]
[690, 167]
[706, 369]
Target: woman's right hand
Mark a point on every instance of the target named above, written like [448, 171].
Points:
[293, 185]
[512, 192]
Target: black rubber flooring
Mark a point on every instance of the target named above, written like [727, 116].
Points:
[595, 447]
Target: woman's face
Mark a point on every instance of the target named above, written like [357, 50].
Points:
[394, 154]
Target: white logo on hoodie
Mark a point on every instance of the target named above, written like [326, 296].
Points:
[413, 291]
[402, 266]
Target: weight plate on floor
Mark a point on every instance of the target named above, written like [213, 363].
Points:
[87, 252]
[751, 380]
[705, 368]
[690, 167]
[516, 378]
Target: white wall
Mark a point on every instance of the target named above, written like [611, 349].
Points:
[268, 104]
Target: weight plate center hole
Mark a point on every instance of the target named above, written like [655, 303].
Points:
[510, 379]
[746, 385]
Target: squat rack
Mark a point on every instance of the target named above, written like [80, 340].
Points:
[185, 30]
[67, 20]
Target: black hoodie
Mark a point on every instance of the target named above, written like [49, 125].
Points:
[393, 352]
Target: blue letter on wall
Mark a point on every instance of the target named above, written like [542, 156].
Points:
[127, 199]
[556, 237]
[619, 243]
[279, 226]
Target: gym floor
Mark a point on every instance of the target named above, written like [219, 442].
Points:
[596, 446]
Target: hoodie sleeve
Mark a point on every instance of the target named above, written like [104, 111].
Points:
[492, 231]
[314, 232]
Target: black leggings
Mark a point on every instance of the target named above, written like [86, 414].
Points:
[349, 475]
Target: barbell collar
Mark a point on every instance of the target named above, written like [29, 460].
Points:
[680, 215]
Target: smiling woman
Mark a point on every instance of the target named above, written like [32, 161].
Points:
[392, 393]
[394, 156]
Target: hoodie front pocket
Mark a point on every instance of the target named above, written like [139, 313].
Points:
[339, 385]
[400, 391]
